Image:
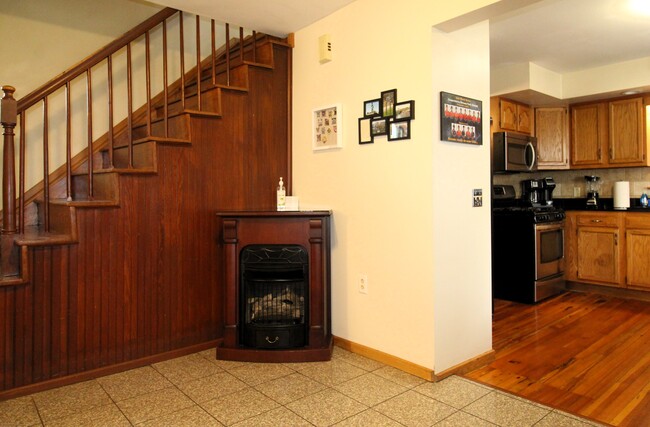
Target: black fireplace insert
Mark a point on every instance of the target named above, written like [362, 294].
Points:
[274, 287]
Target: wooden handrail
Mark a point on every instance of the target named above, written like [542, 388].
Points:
[94, 59]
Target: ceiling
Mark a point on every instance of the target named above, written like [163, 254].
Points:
[276, 17]
[559, 35]
[571, 35]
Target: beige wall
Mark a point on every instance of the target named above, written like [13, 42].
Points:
[393, 212]
[42, 38]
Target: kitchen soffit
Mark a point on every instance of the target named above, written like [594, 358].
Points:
[565, 36]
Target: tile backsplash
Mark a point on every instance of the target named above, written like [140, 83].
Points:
[571, 183]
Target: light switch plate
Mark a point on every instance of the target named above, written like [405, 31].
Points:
[477, 197]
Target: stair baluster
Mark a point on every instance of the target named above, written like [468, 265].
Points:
[89, 124]
[198, 62]
[46, 168]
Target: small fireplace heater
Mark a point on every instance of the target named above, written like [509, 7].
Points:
[274, 287]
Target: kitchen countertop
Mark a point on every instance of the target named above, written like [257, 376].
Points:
[604, 205]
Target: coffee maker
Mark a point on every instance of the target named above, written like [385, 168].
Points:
[538, 192]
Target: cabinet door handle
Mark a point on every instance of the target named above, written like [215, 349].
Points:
[268, 340]
[596, 220]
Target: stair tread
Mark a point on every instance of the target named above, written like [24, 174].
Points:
[259, 64]
[133, 171]
[127, 171]
[33, 236]
[85, 202]
[12, 280]
[162, 140]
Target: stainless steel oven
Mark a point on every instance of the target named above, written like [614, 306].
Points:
[549, 259]
[527, 251]
[549, 249]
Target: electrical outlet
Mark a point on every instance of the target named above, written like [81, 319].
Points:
[363, 283]
[576, 191]
[477, 197]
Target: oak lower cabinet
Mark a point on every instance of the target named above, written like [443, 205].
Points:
[596, 255]
[599, 254]
[608, 248]
[552, 132]
[637, 238]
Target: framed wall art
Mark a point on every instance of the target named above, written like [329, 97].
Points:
[378, 126]
[461, 119]
[327, 132]
[405, 110]
[365, 130]
[388, 98]
[372, 108]
[386, 117]
[399, 130]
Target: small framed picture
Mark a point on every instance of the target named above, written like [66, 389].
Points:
[388, 99]
[371, 108]
[405, 110]
[399, 130]
[378, 126]
[365, 132]
[327, 130]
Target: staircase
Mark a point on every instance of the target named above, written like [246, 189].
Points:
[111, 260]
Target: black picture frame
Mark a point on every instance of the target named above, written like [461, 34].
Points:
[399, 129]
[461, 119]
[365, 131]
[372, 108]
[378, 126]
[388, 100]
[405, 110]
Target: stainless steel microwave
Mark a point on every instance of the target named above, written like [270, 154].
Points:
[513, 152]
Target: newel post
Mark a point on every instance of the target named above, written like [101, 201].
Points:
[8, 116]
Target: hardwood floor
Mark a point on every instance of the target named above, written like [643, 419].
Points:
[583, 353]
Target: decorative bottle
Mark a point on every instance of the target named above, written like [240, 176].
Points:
[280, 193]
[644, 200]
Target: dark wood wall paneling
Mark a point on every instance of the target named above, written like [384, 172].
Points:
[144, 278]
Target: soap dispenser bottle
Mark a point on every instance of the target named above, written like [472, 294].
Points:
[280, 195]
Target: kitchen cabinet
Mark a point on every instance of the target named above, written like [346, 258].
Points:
[637, 238]
[514, 116]
[626, 132]
[595, 254]
[552, 132]
[609, 134]
[589, 135]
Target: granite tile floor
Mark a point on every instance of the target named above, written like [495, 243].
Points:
[349, 390]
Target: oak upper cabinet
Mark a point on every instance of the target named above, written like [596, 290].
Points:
[589, 135]
[514, 116]
[598, 251]
[626, 133]
[637, 238]
[552, 132]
